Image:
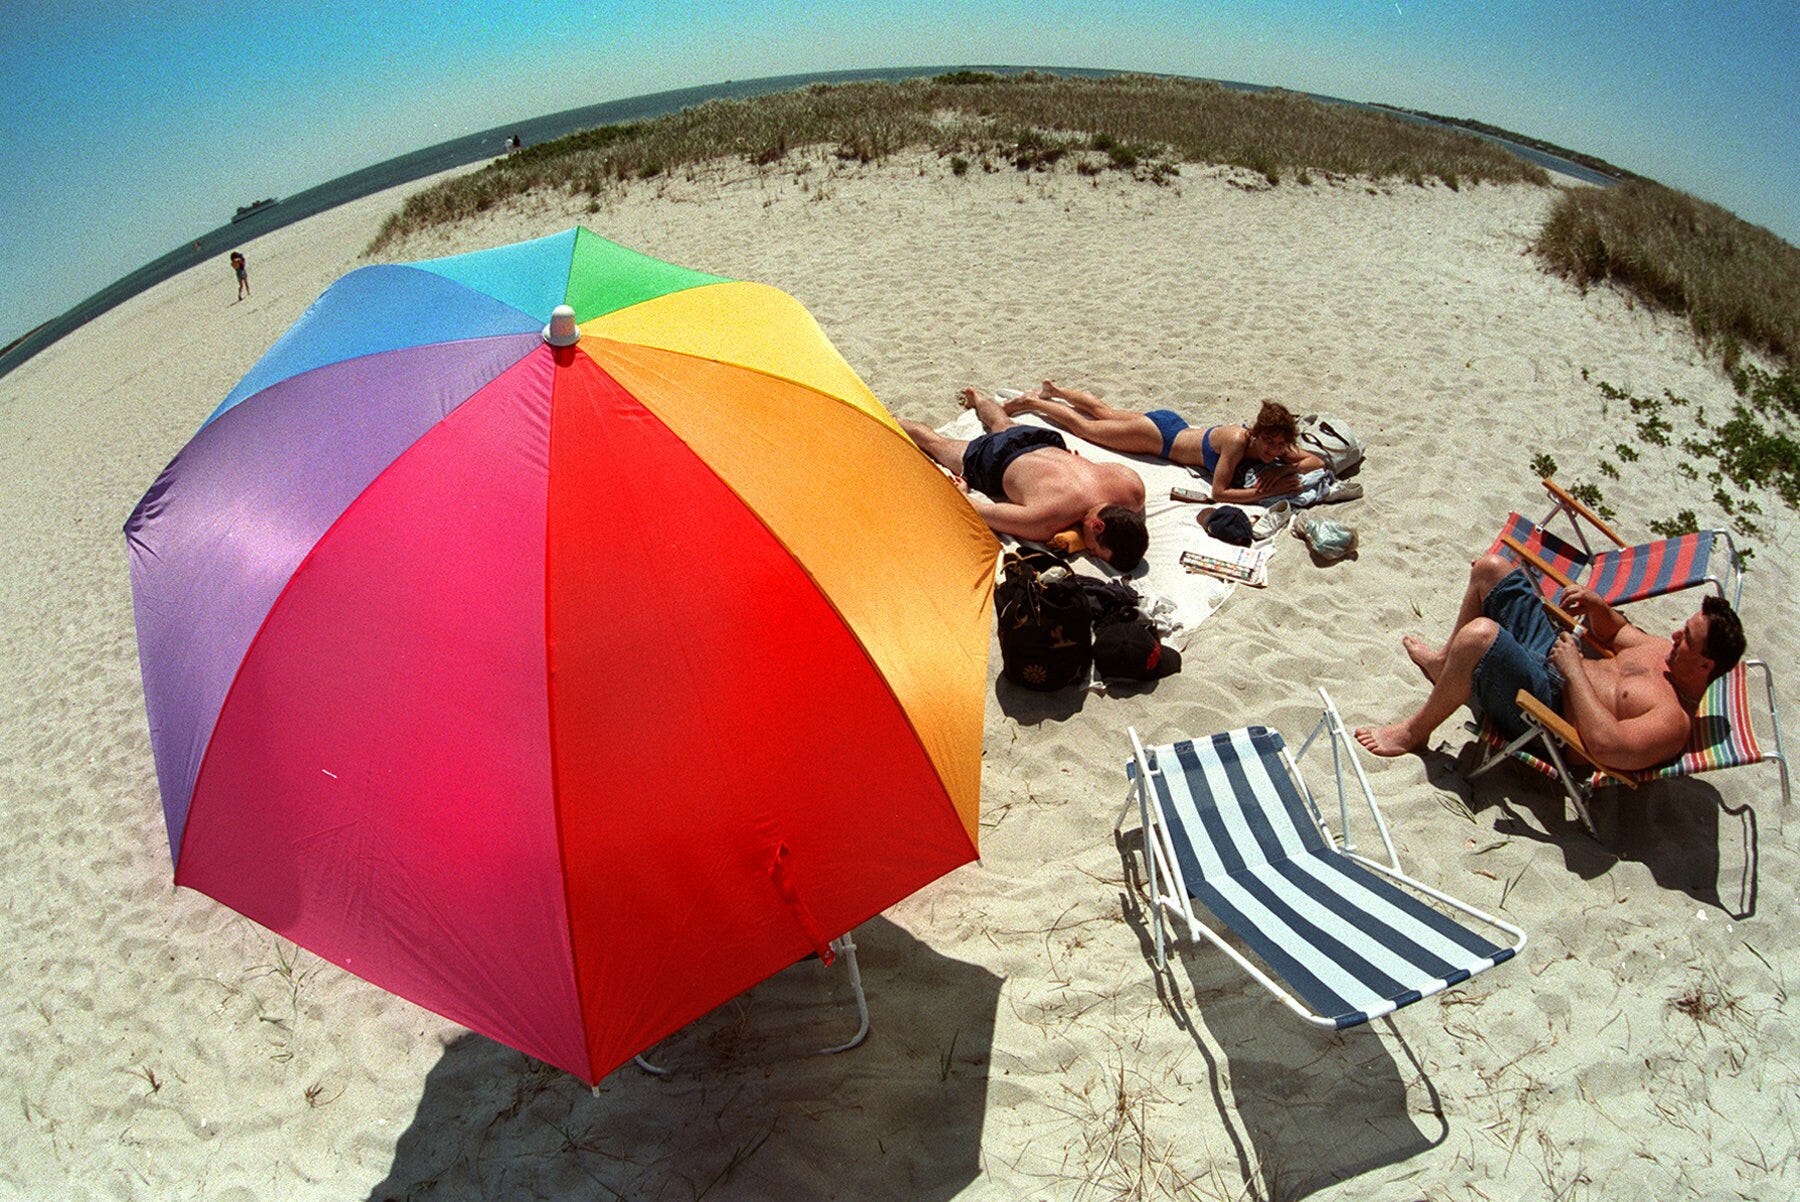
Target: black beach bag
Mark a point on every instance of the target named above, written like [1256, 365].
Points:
[1046, 636]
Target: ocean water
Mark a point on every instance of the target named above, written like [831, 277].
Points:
[488, 144]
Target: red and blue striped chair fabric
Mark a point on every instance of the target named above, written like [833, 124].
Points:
[1619, 576]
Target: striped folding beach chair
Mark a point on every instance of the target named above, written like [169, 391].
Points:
[1619, 574]
[1724, 736]
[1229, 822]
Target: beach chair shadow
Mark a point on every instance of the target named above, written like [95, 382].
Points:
[747, 1110]
[1682, 831]
[1307, 1108]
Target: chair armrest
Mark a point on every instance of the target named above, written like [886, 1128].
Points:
[1537, 562]
[1577, 509]
[1573, 625]
[1564, 730]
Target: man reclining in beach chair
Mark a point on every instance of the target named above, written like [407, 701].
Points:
[1231, 823]
[1620, 574]
[1723, 736]
[1633, 707]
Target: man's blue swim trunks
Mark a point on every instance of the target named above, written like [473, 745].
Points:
[1168, 423]
[986, 458]
[1517, 660]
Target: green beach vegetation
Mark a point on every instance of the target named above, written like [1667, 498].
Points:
[1753, 451]
[1138, 125]
[1737, 283]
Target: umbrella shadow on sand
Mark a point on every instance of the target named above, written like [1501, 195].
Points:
[1682, 830]
[748, 1109]
[1304, 1107]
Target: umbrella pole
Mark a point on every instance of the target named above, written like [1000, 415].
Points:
[846, 947]
[646, 1066]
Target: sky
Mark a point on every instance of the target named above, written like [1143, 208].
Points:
[131, 129]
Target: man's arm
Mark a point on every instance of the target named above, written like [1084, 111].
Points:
[1606, 624]
[1628, 744]
[1036, 523]
[1272, 480]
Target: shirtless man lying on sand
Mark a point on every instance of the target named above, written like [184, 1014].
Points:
[1220, 451]
[1040, 487]
[1632, 711]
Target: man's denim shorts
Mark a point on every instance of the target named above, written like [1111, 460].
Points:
[1517, 660]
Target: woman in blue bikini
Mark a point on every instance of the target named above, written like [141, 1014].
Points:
[1219, 451]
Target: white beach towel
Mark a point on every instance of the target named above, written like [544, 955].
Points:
[1177, 600]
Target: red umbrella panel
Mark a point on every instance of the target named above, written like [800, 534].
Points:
[565, 690]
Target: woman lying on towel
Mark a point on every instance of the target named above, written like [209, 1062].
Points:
[1223, 452]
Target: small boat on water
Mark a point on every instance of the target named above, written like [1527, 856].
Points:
[253, 207]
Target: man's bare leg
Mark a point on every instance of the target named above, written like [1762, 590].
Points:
[1450, 668]
[1448, 691]
[1484, 574]
[992, 414]
[946, 452]
[1428, 659]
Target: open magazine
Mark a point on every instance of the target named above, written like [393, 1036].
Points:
[1240, 565]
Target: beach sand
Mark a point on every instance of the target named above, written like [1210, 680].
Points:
[159, 1046]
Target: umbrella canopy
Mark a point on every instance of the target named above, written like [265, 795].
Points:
[565, 690]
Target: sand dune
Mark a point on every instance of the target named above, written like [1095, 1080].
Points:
[162, 1047]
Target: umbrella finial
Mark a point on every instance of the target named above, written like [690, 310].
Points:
[562, 330]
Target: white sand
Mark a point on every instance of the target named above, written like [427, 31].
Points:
[159, 1046]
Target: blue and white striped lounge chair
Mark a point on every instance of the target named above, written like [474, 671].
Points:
[1229, 822]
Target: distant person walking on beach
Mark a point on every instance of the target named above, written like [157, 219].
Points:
[243, 273]
[1040, 487]
[1221, 451]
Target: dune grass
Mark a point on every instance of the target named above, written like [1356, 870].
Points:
[1737, 283]
[1139, 125]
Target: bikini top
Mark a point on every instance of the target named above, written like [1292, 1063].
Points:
[1209, 457]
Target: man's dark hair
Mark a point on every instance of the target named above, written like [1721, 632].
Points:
[1123, 536]
[1724, 636]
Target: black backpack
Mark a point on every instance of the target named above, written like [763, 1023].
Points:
[1046, 636]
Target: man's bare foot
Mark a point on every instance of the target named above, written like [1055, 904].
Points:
[1429, 659]
[1025, 402]
[969, 397]
[1049, 389]
[1388, 741]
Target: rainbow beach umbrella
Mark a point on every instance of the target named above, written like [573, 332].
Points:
[566, 673]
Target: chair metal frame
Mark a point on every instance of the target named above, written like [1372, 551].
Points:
[1168, 889]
